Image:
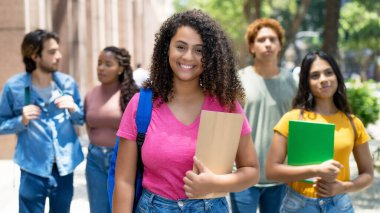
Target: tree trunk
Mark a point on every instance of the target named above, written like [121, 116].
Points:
[252, 10]
[290, 33]
[331, 25]
[377, 69]
[257, 9]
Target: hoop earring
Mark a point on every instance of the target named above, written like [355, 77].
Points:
[201, 81]
[340, 93]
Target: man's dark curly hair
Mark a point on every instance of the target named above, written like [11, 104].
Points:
[33, 44]
[219, 77]
[128, 86]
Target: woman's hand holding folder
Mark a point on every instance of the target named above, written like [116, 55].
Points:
[328, 189]
[328, 170]
[200, 182]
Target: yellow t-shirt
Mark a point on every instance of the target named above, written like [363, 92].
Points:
[343, 141]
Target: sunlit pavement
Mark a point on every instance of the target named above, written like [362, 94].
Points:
[10, 180]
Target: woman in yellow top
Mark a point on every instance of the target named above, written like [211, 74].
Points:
[321, 97]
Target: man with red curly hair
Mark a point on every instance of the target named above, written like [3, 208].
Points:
[269, 91]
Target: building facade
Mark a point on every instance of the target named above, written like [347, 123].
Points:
[85, 28]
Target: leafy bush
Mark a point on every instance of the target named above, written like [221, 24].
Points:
[363, 100]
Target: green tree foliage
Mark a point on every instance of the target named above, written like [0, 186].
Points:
[355, 33]
[314, 18]
[370, 5]
[363, 102]
[360, 27]
[232, 16]
[227, 12]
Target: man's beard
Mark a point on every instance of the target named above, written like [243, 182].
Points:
[48, 69]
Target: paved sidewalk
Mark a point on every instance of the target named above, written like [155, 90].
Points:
[10, 180]
[368, 200]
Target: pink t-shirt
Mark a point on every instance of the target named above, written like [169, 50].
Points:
[169, 145]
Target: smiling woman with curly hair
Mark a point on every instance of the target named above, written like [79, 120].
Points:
[219, 76]
[193, 69]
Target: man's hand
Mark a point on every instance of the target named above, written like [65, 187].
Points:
[198, 185]
[30, 112]
[65, 102]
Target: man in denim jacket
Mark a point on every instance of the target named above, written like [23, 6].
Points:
[42, 106]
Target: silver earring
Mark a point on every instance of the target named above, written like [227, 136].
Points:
[310, 98]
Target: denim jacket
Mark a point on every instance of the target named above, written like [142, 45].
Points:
[48, 139]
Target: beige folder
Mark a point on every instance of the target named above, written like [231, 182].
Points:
[218, 141]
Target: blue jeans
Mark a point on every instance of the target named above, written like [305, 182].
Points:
[268, 199]
[35, 189]
[295, 202]
[150, 202]
[98, 163]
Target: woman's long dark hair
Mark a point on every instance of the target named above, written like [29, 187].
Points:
[128, 86]
[304, 99]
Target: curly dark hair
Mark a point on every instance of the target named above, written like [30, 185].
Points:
[128, 85]
[33, 44]
[304, 99]
[219, 77]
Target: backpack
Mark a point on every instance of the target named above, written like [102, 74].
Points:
[143, 116]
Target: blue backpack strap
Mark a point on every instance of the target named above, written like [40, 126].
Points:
[144, 110]
[143, 116]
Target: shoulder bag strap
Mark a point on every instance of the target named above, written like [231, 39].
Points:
[301, 114]
[27, 96]
[353, 125]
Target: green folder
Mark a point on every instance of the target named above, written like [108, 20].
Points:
[310, 142]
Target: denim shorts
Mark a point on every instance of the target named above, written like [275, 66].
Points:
[295, 202]
[150, 202]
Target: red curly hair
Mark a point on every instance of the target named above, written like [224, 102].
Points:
[258, 24]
